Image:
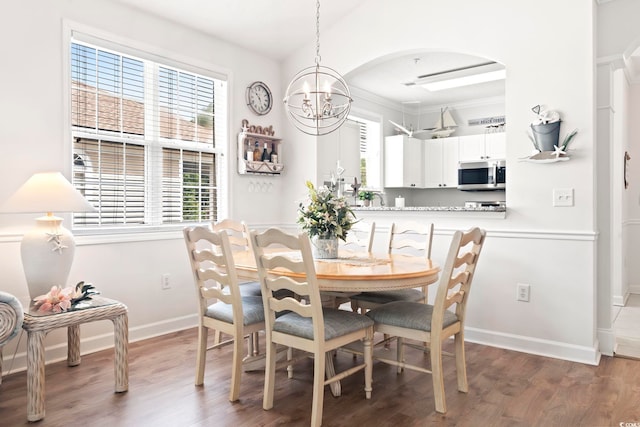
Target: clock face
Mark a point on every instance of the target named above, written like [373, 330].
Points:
[259, 98]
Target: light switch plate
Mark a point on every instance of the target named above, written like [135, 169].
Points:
[562, 197]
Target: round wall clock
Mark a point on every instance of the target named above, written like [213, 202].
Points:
[259, 98]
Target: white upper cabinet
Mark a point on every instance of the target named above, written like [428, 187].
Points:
[483, 146]
[441, 163]
[402, 162]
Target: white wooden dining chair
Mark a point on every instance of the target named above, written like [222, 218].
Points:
[360, 237]
[215, 277]
[303, 322]
[238, 233]
[436, 323]
[409, 237]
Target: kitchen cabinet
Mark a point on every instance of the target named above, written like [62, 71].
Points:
[441, 163]
[483, 146]
[403, 162]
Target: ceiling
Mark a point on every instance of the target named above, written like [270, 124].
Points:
[277, 28]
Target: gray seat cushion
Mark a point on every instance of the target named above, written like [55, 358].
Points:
[250, 289]
[252, 310]
[411, 315]
[383, 297]
[336, 323]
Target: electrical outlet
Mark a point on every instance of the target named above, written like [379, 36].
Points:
[563, 197]
[165, 281]
[522, 292]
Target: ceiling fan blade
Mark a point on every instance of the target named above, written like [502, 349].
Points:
[402, 128]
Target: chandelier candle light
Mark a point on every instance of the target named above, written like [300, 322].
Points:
[318, 99]
[47, 250]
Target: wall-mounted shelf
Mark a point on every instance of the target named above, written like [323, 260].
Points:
[259, 167]
[546, 157]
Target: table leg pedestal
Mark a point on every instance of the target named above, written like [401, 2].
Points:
[121, 334]
[330, 370]
[35, 375]
[73, 345]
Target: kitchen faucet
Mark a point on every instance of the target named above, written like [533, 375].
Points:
[380, 197]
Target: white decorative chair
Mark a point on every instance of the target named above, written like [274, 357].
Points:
[215, 277]
[436, 323]
[360, 237]
[404, 237]
[238, 233]
[302, 322]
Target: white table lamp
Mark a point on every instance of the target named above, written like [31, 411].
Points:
[47, 250]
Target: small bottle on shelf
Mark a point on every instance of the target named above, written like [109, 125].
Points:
[273, 156]
[265, 154]
[256, 153]
[249, 153]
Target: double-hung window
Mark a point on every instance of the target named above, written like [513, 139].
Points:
[147, 139]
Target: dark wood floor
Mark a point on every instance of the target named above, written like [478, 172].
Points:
[506, 389]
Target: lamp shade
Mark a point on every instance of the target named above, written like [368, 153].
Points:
[48, 249]
[47, 192]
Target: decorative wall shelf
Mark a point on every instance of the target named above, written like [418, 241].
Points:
[546, 157]
[246, 138]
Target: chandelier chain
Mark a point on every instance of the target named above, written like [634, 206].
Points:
[318, 32]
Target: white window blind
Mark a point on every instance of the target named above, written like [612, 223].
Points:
[144, 150]
[370, 166]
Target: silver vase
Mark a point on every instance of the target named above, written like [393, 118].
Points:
[324, 248]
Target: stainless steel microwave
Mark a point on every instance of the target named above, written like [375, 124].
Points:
[484, 175]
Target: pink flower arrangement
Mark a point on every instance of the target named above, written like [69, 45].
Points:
[60, 299]
[56, 300]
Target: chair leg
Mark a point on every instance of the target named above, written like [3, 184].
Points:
[400, 352]
[461, 364]
[387, 342]
[290, 365]
[216, 337]
[236, 367]
[438, 377]
[250, 345]
[201, 356]
[256, 343]
[368, 359]
[318, 390]
[269, 376]
[355, 307]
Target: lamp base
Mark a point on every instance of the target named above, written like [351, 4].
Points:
[47, 254]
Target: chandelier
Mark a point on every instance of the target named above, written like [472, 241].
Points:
[317, 100]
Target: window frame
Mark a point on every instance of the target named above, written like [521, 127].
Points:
[125, 46]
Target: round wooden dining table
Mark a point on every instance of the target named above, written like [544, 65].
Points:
[354, 272]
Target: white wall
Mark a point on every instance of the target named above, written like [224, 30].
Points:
[632, 220]
[35, 137]
[552, 249]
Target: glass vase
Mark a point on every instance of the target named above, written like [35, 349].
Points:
[325, 247]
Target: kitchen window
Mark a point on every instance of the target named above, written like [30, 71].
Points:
[145, 139]
[370, 137]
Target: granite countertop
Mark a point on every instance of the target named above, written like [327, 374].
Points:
[432, 208]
